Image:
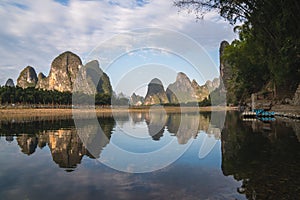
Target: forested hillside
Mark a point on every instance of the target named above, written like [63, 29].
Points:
[266, 57]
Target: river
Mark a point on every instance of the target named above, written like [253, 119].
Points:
[150, 156]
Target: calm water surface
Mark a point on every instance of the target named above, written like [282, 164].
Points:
[49, 159]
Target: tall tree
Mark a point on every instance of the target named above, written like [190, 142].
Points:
[272, 27]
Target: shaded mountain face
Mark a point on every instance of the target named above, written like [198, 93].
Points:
[41, 76]
[64, 69]
[9, 83]
[91, 79]
[156, 93]
[27, 78]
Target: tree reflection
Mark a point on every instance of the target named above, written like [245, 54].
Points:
[266, 161]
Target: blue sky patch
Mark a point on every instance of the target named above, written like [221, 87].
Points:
[63, 2]
[20, 5]
[142, 2]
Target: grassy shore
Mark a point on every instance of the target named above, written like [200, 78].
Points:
[14, 113]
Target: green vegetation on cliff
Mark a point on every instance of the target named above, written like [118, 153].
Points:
[267, 53]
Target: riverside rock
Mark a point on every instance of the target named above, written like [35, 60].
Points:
[27, 78]
[156, 93]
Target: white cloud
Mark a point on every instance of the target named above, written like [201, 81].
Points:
[34, 32]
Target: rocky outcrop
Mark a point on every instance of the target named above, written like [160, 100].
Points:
[67, 74]
[181, 91]
[27, 78]
[64, 69]
[226, 90]
[184, 91]
[201, 92]
[41, 76]
[225, 70]
[156, 93]
[42, 82]
[9, 83]
[136, 100]
[212, 85]
[91, 79]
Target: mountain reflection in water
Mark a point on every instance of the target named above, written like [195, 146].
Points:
[67, 148]
[262, 157]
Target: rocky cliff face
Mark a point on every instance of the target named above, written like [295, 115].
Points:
[27, 78]
[212, 85]
[9, 83]
[225, 70]
[67, 74]
[183, 90]
[156, 93]
[136, 100]
[64, 69]
[91, 79]
[201, 92]
[41, 76]
[225, 91]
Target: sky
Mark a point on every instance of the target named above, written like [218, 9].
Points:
[136, 33]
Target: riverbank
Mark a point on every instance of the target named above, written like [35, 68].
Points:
[15, 113]
[287, 111]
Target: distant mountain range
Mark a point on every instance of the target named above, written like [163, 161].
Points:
[68, 74]
[183, 90]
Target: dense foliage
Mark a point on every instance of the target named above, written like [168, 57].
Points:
[268, 49]
[18, 95]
